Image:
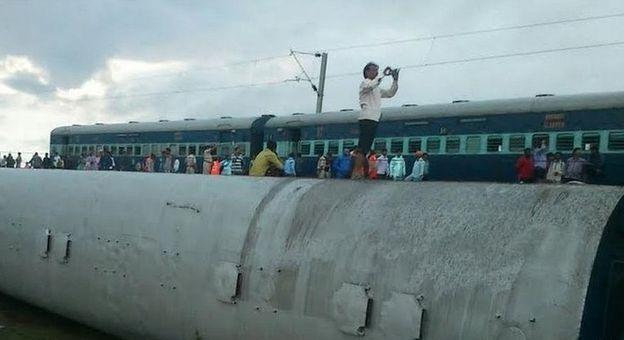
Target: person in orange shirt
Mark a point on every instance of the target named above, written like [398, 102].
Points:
[216, 166]
[372, 165]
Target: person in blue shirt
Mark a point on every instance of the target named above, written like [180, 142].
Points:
[289, 166]
[341, 167]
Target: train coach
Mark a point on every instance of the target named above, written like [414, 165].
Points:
[470, 141]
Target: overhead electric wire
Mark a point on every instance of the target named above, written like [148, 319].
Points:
[385, 43]
[490, 57]
[482, 31]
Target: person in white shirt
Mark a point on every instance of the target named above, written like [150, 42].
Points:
[370, 103]
[382, 164]
[555, 169]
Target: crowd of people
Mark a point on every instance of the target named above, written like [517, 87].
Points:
[36, 162]
[539, 166]
[353, 164]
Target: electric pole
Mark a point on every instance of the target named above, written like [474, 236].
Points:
[321, 87]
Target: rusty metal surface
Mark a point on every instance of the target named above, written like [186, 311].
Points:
[269, 258]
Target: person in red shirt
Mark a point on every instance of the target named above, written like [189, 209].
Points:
[525, 168]
[372, 165]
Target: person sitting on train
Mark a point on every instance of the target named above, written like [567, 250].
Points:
[266, 162]
[540, 162]
[525, 168]
[370, 103]
[341, 167]
[575, 167]
[555, 169]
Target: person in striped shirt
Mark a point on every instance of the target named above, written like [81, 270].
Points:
[237, 162]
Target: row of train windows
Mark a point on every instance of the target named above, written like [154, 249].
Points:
[564, 142]
[156, 149]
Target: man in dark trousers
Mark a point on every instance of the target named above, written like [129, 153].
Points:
[370, 103]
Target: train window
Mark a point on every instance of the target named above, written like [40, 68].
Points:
[129, 150]
[379, 144]
[473, 144]
[333, 147]
[396, 146]
[348, 144]
[202, 148]
[137, 150]
[242, 148]
[91, 148]
[192, 149]
[225, 149]
[433, 145]
[174, 149]
[182, 150]
[305, 148]
[538, 138]
[319, 148]
[517, 143]
[70, 150]
[113, 149]
[616, 141]
[84, 149]
[156, 149]
[122, 150]
[564, 142]
[413, 145]
[452, 144]
[589, 139]
[494, 144]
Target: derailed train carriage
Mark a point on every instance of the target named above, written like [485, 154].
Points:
[476, 141]
[147, 258]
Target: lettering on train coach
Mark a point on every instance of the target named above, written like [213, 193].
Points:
[554, 121]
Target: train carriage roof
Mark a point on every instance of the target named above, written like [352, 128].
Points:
[216, 124]
[593, 101]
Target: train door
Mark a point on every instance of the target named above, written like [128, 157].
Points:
[256, 139]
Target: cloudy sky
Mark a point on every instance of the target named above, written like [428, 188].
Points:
[81, 62]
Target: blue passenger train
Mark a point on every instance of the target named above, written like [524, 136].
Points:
[467, 141]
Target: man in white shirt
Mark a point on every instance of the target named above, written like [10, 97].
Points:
[370, 103]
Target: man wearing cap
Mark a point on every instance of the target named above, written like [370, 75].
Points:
[370, 103]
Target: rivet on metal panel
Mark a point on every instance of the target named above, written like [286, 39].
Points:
[275, 311]
[498, 315]
[257, 308]
[279, 270]
[532, 320]
[261, 269]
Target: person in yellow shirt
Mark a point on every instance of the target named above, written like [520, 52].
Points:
[266, 159]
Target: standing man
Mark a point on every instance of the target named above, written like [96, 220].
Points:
[237, 162]
[18, 160]
[540, 161]
[525, 168]
[370, 103]
[207, 165]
